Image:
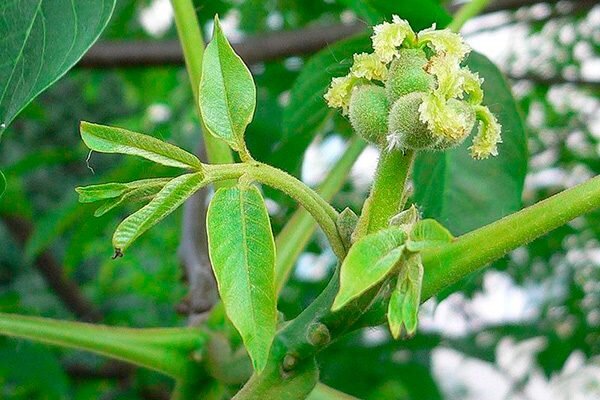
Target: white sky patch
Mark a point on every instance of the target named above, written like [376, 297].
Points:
[320, 157]
[157, 18]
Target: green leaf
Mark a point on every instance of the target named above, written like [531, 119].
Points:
[403, 308]
[117, 193]
[426, 234]
[39, 42]
[92, 193]
[420, 14]
[107, 139]
[227, 92]
[142, 193]
[242, 253]
[367, 263]
[172, 195]
[462, 193]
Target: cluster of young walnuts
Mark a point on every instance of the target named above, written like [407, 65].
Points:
[412, 93]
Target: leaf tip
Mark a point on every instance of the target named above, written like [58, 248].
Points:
[118, 253]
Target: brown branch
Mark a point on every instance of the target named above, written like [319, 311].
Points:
[553, 80]
[193, 253]
[66, 289]
[253, 49]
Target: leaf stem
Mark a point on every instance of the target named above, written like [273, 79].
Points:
[322, 212]
[192, 43]
[467, 12]
[165, 350]
[470, 252]
[296, 233]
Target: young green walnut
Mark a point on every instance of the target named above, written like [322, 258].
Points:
[435, 102]
[408, 131]
[407, 74]
[368, 113]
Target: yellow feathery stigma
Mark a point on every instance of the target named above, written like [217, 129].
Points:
[339, 92]
[472, 86]
[369, 66]
[488, 135]
[442, 120]
[444, 41]
[448, 74]
[387, 37]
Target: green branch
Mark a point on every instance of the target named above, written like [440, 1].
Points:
[296, 233]
[472, 251]
[321, 210]
[166, 350]
[466, 12]
[388, 191]
[192, 43]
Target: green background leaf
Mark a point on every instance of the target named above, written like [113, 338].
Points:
[421, 14]
[462, 193]
[40, 40]
[242, 253]
[227, 91]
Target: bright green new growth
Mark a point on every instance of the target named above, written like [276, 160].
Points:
[368, 114]
[227, 92]
[451, 94]
[368, 262]
[403, 308]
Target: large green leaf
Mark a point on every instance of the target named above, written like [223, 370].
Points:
[172, 195]
[420, 14]
[40, 40]
[227, 92]
[368, 262]
[462, 193]
[107, 139]
[242, 253]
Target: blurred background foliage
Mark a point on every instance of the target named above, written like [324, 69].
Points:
[529, 327]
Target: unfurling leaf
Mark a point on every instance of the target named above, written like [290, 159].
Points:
[428, 233]
[227, 92]
[370, 260]
[93, 193]
[172, 195]
[403, 309]
[242, 254]
[142, 193]
[107, 139]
